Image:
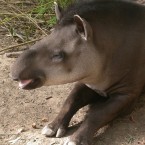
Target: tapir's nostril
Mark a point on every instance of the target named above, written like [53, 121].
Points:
[15, 79]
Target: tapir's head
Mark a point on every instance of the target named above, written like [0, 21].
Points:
[62, 57]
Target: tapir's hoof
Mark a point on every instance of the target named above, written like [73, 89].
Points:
[69, 142]
[48, 131]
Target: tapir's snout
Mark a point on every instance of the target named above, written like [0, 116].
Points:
[26, 73]
[28, 78]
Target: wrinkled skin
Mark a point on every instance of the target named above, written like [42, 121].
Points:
[103, 50]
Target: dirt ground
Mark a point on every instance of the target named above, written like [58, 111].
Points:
[21, 109]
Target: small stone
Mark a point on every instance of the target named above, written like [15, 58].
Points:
[21, 130]
[44, 120]
[47, 98]
[34, 125]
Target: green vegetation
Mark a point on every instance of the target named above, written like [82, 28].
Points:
[28, 19]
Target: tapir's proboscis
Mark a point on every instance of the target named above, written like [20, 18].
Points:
[101, 46]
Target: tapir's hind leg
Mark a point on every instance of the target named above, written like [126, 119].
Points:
[79, 97]
[100, 115]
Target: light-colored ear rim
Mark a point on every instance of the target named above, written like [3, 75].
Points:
[57, 11]
[78, 17]
[84, 23]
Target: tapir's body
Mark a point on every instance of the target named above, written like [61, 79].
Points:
[100, 45]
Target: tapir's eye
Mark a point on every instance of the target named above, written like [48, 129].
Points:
[58, 56]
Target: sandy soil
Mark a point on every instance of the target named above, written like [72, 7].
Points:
[20, 109]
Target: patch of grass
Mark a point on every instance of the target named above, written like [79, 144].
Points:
[47, 7]
[27, 19]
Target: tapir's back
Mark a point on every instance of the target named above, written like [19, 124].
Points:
[97, 10]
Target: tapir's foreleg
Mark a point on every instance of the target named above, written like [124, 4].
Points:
[98, 116]
[79, 97]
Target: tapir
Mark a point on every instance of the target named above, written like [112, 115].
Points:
[98, 44]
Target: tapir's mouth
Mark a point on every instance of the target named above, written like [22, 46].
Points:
[24, 83]
[29, 84]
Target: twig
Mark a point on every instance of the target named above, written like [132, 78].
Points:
[13, 54]
[23, 2]
[31, 19]
[22, 15]
[14, 46]
[28, 17]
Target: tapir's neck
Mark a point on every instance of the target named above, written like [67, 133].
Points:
[96, 83]
[96, 78]
[97, 90]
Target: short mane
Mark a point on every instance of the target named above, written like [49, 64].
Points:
[87, 9]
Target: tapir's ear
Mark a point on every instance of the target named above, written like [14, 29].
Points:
[58, 11]
[83, 27]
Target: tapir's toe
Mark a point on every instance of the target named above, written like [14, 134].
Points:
[49, 131]
[60, 132]
[69, 142]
